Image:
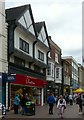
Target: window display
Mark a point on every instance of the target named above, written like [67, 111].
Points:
[34, 94]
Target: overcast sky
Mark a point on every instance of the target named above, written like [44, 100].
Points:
[63, 20]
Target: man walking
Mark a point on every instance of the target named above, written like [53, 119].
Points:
[51, 101]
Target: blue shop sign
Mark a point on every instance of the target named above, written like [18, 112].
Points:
[11, 78]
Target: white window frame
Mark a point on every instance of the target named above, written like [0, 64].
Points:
[57, 70]
[51, 69]
[56, 58]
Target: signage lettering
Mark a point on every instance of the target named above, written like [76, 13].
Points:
[11, 78]
[28, 81]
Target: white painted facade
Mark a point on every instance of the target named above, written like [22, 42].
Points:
[3, 44]
[26, 21]
[3, 39]
[42, 36]
[17, 35]
[38, 47]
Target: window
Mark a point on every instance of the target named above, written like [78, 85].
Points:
[56, 57]
[40, 55]
[19, 61]
[49, 69]
[24, 46]
[52, 70]
[57, 72]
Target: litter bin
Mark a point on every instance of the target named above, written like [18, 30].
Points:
[30, 108]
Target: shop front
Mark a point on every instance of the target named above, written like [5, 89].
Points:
[66, 90]
[52, 87]
[33, 87]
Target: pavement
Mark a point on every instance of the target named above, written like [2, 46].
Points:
[71, 111]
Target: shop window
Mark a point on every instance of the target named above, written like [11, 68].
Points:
[40, 55]
[19, 61]
[23, 45]
[33, 93]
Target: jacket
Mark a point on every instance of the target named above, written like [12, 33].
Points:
[16, 100]
[51, 100]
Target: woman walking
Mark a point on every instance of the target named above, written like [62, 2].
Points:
[61, 105]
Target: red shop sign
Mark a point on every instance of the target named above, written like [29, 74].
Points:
[30, 81]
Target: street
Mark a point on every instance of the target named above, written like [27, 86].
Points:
[42, 112]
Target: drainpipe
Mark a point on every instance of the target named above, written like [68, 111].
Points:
[47, 57]
[34, 49]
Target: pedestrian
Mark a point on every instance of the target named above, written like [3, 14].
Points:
[83, 100]
[56, 98]
[16, 103]
[23, 101]
[83, 104]
[79, 102]
[51, 101]
[67, 99]
[61, 105]
[71, 99]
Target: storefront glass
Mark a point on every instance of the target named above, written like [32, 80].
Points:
[33, 93]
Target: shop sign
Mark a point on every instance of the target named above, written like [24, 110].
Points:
[28, 81]
[11, 78]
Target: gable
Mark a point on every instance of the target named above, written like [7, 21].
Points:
[26, 21]
[43, 37]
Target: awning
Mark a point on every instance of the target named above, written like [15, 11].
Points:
[29, 81]
[80, 90]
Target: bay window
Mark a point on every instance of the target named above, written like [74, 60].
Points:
[50, 69]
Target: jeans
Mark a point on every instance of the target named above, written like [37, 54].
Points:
[15, 109]
[51, 108]
[23, 109]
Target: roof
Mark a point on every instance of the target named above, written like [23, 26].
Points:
[38, 26]
[71, 58]
[15, 12]
[54, 44]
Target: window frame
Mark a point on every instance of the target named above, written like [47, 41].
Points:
[40, 55]
[23, 45]
[56, 58]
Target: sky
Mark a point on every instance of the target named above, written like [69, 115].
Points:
[63, 20]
